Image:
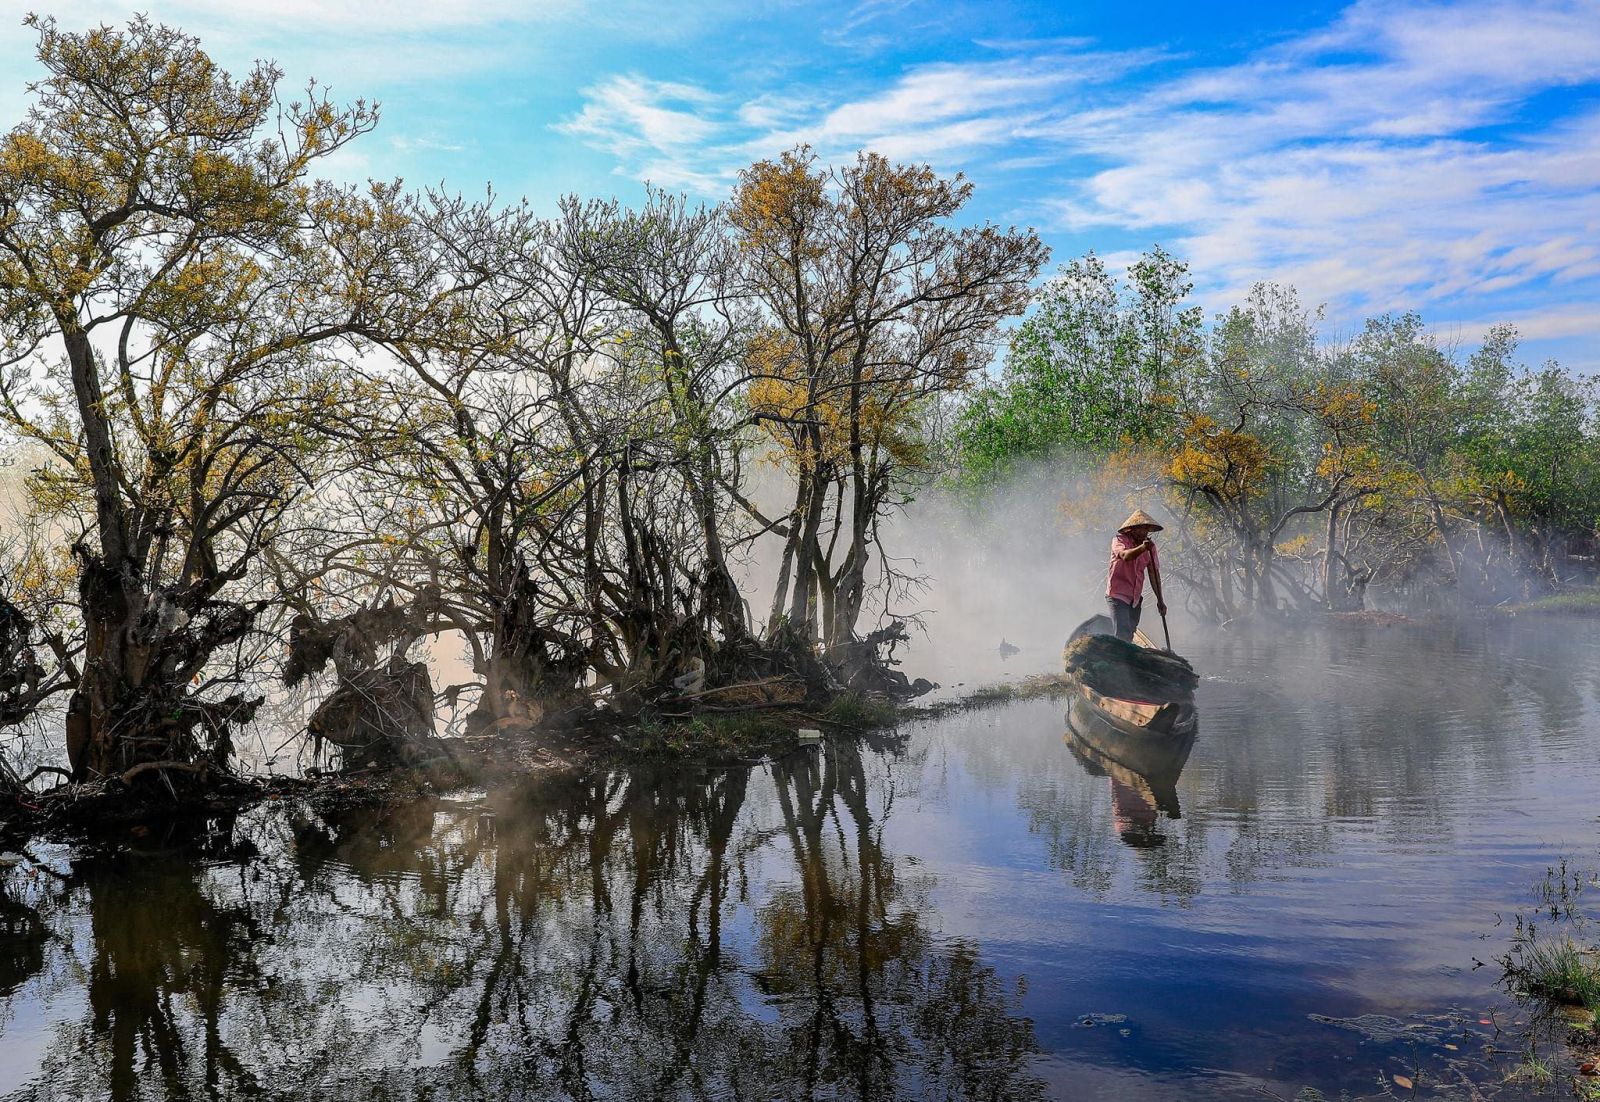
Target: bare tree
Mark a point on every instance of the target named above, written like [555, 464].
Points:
[873, 307]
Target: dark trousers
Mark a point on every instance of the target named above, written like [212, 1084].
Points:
[1124, 617]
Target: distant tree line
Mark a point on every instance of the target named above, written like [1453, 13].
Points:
[1295, 472]
[269, 423]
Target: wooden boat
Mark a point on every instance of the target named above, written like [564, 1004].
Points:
[1131, 717]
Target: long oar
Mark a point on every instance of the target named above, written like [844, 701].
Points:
[1165, 631]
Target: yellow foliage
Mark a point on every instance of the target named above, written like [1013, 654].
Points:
[790, 401]
[777, 203]
[1296, 547]
[1230, 465]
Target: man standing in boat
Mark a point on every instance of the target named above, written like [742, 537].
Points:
[1133, 553]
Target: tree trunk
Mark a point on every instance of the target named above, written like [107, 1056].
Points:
[808, 551]
[105, 691]
[103, 709]
[1331, 556]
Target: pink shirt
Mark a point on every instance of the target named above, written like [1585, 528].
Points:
[1125, 579]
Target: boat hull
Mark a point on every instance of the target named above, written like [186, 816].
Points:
[1139, 717]
[1156, 746]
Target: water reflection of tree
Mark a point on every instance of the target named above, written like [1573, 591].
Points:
[22, 934]
[605, 936]
[872, 1006]
[157, 957]
[146, 960]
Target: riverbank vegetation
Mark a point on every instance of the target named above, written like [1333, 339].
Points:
[1554, 962]
[275, 431]
[1296, 471]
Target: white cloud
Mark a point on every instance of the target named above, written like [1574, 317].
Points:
[943, 112]
[630, 116]
[1347, 163]
[1553, 323]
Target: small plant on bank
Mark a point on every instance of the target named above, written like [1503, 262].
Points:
[1533, 1070]
[742, 734]
[1559, 964]
[736, 734]
[1554, 961]
[859, 711]
[1560, 970]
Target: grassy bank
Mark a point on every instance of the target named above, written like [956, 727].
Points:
[711, 737]
[1576, 602]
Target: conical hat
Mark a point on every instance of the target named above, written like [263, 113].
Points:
[1139, 516]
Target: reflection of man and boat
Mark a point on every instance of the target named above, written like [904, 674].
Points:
[1131, 718]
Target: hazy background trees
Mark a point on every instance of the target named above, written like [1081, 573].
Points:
[1296, 471]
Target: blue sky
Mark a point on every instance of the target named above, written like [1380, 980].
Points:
[1442, 157]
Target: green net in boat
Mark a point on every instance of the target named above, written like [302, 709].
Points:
[1108, 665]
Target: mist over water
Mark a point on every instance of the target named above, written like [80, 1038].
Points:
[1007, 569]
[969, 575]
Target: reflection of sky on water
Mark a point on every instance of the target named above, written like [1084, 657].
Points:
[937, 918]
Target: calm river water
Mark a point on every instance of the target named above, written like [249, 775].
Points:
[972, 908]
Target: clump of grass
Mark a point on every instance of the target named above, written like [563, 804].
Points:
[1554, 962]
[717, 735]
[1028, 688]
[740, 734]
[991, 694]
[852, 709]
[1560, 970]
[1556, 965]
[1533, 1070]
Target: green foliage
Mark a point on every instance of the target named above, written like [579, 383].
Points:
[755, 731]
[1532, 1069]
[1095, 366]
[861, 712]
[732, 735]
[1561, 970]
[1583, 602]
[1553, 956]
